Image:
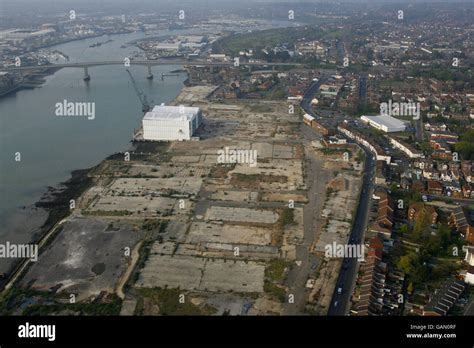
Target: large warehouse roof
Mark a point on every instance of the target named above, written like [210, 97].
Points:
[167, 113]
[387, 122]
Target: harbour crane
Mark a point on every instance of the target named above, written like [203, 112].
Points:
[141, 96]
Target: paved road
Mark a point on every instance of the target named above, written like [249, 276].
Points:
[348, 274]
[362, 90]
[469, 308]
[316, 181]
[340, 52]
[457, 201]
[309, 95]
[316, 178]
[419, 129]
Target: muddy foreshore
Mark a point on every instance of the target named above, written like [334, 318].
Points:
[55, 202]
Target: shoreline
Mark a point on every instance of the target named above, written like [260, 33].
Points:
[31, 82]
[56, 208]
[81, 38]
[55, 199]
[55, 202]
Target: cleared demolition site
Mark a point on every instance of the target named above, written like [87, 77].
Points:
[168, 230]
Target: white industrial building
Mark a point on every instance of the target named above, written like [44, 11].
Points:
[469, 258]
[171, 123]
[385, 123]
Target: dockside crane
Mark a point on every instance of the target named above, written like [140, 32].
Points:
[141, 96]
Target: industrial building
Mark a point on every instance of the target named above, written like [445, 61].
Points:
[469, 259]
[24, 35]
[168, 123]
[385, 123]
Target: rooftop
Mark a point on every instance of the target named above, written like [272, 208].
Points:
[443, 299]
[385, 120]
[166, 113]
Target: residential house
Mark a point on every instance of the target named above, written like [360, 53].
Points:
[444, 299]
[435, 187]
[461, 220]
[418, 208]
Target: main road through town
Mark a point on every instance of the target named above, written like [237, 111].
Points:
[347, 277]
[348, 274]
[306, 261]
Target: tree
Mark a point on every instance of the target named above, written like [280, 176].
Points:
[407, 263]
[465, 147]
[414, 198]
[393, 187]
[439, 244]
[278, 94]
[404, 229]
[421, 229]
[433, 245]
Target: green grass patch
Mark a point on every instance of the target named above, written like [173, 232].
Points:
[168, 300]
[111, 305]
[274, 290]
[275, 270]
[106, 213]
[287, 217]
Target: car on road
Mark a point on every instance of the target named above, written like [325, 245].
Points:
[339, 291]
[335, 303]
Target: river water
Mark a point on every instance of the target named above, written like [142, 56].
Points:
[50, 146]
